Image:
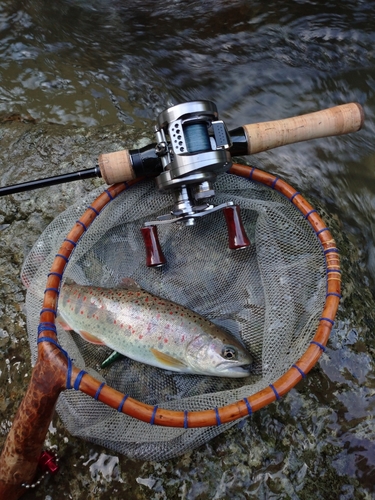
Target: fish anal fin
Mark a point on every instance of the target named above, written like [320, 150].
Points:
[90, 338]
[167, 360]
[64, 325]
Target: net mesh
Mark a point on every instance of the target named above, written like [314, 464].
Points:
[270, 294]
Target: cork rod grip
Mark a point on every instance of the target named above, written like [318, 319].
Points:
[116, 167]
[332, 121]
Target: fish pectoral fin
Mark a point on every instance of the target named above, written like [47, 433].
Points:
[90, 338]
[168, 360]
[111, 359]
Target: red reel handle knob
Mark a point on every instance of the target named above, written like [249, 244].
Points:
[237, 237]
[154, 253]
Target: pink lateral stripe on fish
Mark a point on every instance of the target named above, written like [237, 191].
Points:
[152, 330]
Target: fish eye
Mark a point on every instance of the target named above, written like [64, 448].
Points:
[229, 352]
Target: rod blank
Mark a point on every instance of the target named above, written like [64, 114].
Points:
[50, 181]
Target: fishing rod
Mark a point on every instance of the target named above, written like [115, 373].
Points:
[193, 145]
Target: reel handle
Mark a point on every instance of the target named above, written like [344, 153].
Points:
[154, 253]
[338, 120]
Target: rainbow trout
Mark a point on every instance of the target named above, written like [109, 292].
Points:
[152, 330]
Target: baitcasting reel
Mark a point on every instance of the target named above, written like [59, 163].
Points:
[192, 147]
[197, 150]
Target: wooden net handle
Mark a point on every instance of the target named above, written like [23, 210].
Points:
[332, 121]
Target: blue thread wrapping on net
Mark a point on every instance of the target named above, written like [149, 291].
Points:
[153, 415]
[275, 391]
[121, 405]
[97, 394]
[251, 173]
[275, 182]
[299, 369]
[186, 423]
[55, 274]
[46, 326]
[70, 241]
[218, 421]
[309, 213]
[294, 195]
[331, 250]
[334, 294]
[322, 230]
[52, 290]
[248, 405]
[322, 347]
[327, 319]
[77, 381]
[48, 309]
[94, 209]
[70, 364]
[81, 224]
[52, 341]
[63, 257]
[334, 271]
[109, 194]
[69, 374]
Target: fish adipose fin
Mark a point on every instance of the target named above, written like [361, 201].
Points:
[167, 360]
[90, 338]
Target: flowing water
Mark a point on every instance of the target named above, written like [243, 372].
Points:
[96, 63]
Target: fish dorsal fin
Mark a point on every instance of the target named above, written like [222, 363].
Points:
[90, 338]
[129, 284]
[167, 360]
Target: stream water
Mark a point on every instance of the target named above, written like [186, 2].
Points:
[97, 63]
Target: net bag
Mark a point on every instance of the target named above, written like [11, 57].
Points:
[279, 296]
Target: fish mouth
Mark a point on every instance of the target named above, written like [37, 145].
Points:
[237, 371]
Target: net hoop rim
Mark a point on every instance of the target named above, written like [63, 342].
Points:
[80, 380]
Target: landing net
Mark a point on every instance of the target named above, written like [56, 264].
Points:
[272, 295]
